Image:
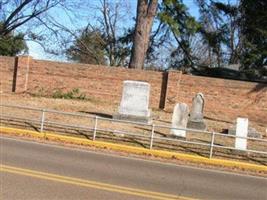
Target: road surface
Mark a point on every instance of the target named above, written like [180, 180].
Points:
[31, 170]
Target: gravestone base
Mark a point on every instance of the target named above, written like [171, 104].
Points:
[178, 133]
[252, 132]
[199, 125]
[134, 118]
[177, 137]
[118, 134]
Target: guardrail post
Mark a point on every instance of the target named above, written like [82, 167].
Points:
[212, 144]
[152, 136]
[42, 121]
[95, 128]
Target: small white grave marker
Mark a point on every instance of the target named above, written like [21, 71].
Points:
[242, 131]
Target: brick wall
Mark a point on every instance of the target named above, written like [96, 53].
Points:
[224, 99]
[6, 73]
[95, 81]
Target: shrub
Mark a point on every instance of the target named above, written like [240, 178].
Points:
[73, 94]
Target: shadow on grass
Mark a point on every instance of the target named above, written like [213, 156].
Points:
[259, 87]
[149, 130]
[99, 114]
[32, 126]
[217, 120]
[83, 134]
[165, 121]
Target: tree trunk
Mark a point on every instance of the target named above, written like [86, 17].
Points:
[146, 11]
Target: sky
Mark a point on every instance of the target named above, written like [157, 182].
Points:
[37, 52]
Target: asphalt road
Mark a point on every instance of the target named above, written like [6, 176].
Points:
[31, 170]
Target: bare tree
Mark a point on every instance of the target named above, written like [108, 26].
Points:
[15, 13]
[111, 16]
[106, 26]
[146, 11]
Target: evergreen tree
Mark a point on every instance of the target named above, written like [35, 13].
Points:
[12, 44]
[176, 18]
[89, 48]
[254, 36]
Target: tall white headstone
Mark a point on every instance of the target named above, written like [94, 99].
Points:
[242, 131]
[134, 103]
[179, 119]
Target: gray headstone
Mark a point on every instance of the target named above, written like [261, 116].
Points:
[180, 119]
[134, 102]
[196, 115]
[252, 132]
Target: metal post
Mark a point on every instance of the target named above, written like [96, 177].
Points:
[212, 143]
[152, 136]
[42, 121]
[95, 128]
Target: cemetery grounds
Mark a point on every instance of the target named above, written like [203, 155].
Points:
[65, 124]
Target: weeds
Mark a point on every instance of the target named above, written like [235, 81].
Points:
[39, 93]
[73, 94]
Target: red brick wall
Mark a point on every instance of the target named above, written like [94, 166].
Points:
[6, 73]
[224, 99]
[95, 81]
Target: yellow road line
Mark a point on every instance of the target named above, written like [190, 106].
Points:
[91, 184]
[136, 150]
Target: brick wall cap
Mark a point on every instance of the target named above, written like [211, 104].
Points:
[24, 56]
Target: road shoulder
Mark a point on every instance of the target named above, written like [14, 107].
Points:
[159, 155]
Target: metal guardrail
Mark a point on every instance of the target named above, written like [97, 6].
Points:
[42, 122]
